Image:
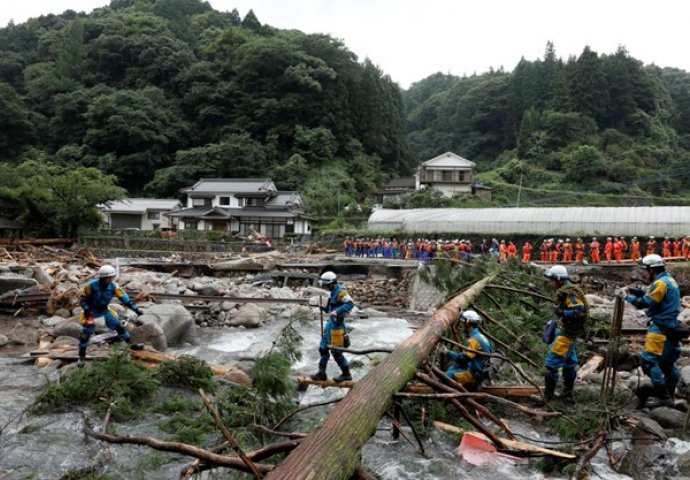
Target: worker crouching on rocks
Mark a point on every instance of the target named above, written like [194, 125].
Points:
[572, 313]
[95, 298]
[664, 331]
[469, 366]
[339, 306]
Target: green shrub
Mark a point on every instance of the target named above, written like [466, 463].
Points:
[114, 380]
[187, 372]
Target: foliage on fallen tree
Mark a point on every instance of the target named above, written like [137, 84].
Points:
[187, 371]
[113, 381]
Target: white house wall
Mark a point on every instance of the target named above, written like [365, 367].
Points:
[629, 221]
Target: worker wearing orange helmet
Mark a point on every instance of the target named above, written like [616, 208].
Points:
[526, 252]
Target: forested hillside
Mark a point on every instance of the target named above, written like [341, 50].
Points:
[161, 92]
[604, 126]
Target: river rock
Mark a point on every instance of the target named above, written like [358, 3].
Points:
[4, 340]
[668, 417]
[174, 319]
[135, 286]
[227, 306]
[647, 431]
[150, 333]
[41, 276]
[63, 312]
[684, 315]
[683, 464]
[249, 316]
[236, 375]
[65, 340]
[283, 292]
[685, 377]
[52, 321]
[209, 289]
[68, 328]
[12, 281]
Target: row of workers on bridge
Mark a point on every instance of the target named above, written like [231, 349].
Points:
[550, 250]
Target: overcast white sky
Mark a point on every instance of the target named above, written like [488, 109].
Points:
[411, 39]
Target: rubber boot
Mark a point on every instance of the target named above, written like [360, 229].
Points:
[320, 375]
[643, 393]
[661, 398]
[81, 361]
[568, 386]
[344, 376]
[549, 389]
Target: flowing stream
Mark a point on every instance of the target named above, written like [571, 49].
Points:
[47, 446]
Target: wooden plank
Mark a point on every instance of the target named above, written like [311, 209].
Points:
[592, 365]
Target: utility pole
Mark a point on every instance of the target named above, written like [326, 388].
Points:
[519, 192]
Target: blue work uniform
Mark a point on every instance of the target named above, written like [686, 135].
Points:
[94, 300]
[341, 303]
[662, 301]
[572, 322]
[468, 367]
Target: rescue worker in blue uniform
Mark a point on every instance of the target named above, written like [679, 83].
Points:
[469, 367]
[94, 299]
[662, 302]
[572, 312]
[339, 306]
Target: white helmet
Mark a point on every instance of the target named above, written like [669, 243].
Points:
[470, 317]
[557, 272]
[327, 278]
[107, 271]
[652, 261]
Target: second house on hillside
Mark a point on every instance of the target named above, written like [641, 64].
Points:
[141, 213]
[238, 205]
[449, 173]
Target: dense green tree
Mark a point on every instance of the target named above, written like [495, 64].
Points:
[15, 125]
[55, 200]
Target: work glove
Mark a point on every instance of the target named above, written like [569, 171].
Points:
[89, 320]
[139, 311]
[324, 309]
[443, 350]
[558, 311]
[636, 292]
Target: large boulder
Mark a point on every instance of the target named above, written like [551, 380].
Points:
[249, 316]
[4, 340]
[235, 375]
[41, 276]
[209, 289]
[174, 319]
[52, 321]
[668, 417]
[683, 464]
[11, 281]
[283, 292]
[67, 328]
[150, 333]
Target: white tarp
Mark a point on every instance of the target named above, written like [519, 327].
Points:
[628, 221]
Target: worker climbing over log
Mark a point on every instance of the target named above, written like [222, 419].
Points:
[662, 344]
[572, 312]
[339, 306]
[469, 367]
[95, 298]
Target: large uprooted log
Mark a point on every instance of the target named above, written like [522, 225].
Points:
[332, 450]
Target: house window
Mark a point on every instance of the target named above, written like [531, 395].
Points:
[201, 202]
[252, 202]
[273, 230]
[224, 201]
[191, 224]
[446, 175]
[153, 215]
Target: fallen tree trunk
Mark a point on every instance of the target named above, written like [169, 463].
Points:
[332, 450]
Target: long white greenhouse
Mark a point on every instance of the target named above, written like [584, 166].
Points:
[659, 221]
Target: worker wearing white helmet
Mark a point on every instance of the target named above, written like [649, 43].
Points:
[662, 344]
[469, 366]
[339, 306]
[94, 300]
[572, 313]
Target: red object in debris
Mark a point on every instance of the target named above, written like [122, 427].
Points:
[476, 449]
